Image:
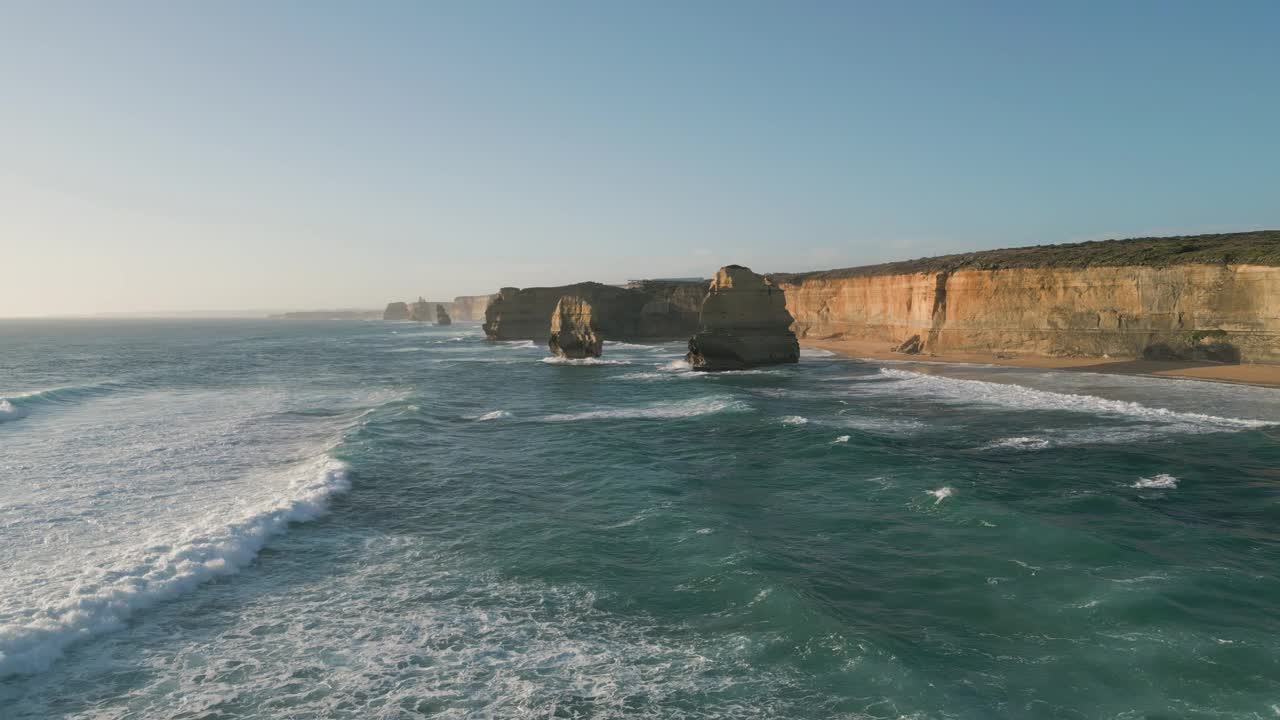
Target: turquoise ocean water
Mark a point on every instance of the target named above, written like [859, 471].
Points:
[254, 519]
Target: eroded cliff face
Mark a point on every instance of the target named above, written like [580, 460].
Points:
[649, 310]
[1194, 311]
[469, 307]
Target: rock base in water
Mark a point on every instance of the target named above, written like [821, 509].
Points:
[442, 316]
[573, 334]
[744, 323]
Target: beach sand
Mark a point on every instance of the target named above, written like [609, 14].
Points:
[1247, 374]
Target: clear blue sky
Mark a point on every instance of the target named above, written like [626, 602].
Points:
[182, 155]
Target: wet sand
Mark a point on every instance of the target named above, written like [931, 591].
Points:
[1246, 374]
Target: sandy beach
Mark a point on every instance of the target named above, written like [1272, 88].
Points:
[1247, 374]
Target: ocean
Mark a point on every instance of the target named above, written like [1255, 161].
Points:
[344, 519]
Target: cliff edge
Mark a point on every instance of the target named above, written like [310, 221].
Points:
[1200, 297]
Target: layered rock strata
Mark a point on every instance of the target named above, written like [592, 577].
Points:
[744, 323]
[1074, 302]
[421, 311]
[470, 307]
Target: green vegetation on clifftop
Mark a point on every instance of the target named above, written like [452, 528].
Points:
[1247, 248]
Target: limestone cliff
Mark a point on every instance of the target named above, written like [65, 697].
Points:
[470, 307]
[442, 317]
[573, 332]
[1202, 297]
[396, 311]
[744, 323]
[652, 310]
[420, 311]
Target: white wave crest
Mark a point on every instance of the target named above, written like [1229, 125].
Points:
[9, 411]
[491, 415]
[556, 360]
[941, 494]
[841, 439]
[795, 420]
[656, 411]
[516, 344]
[103, 602]
[1017, 443]
[816, 353]
[1163, 481]
[1017, 396]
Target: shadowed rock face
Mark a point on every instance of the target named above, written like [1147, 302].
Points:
[442, 317]
[744, 323]
[396, 311]
[648, 310]
[573, 332]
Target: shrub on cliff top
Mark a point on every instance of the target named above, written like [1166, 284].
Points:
[1251, 248]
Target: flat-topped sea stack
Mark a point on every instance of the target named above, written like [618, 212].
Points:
[1191, 298]
[744, 323]
[470, 307]
[396, 311]
[421, 311]
[442, 316]
[643, 310]
[573, 333]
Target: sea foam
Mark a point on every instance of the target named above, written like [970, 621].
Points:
[655, 411]
[32, 640]
[1017, 396]
[1163, 481]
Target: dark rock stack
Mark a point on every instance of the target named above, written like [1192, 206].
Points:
[442, 317]
[573, 333]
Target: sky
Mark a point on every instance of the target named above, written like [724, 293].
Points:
[176, 156]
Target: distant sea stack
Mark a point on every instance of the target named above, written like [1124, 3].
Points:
[744, 323]
[573, 333]
[470, 307]
[1196, 298]
[396, 311]
[421, 311]
[442, 317]
[643, 310]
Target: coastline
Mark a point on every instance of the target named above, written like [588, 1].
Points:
[1242, 374]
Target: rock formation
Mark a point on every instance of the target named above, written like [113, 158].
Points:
[1188, 298]
[396, 311]
[646, 310]
[470, 307]
[442, 317]
[420, 311]
[573, 332]
[744, 323]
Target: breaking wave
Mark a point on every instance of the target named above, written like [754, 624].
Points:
[492, 415]
[1163, 481]
[1025, 398]
[18, 405]
[556, 360]
[32, 640]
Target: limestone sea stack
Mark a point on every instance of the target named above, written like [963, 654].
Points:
[744, 323]
[396, 311]
[573, 332]
[420, 311]
[442, 317]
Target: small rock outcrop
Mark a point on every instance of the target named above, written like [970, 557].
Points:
[744, 323]
[573, 332]
[396, 311]
[442, 316]
[420, 311]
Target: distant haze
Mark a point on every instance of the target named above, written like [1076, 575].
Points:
[236, 156]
